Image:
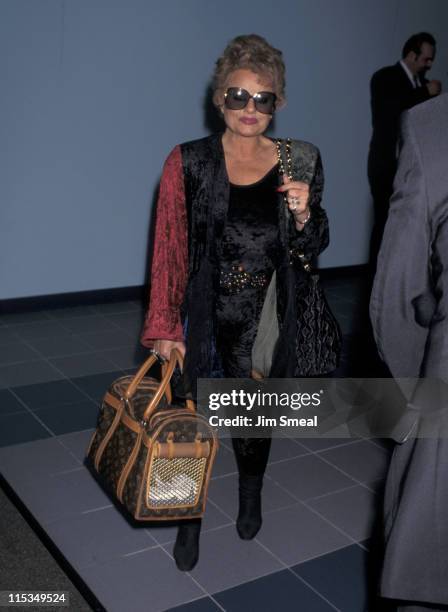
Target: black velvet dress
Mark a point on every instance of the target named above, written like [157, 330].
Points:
[249, 252]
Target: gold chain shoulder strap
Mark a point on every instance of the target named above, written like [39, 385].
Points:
[288, 171]
[281, 166]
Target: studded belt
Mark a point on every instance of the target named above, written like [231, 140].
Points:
[237, 278]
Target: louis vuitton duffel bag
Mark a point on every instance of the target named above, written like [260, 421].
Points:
[154, 457]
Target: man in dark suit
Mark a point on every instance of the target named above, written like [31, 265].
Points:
[409, 313]
[395, 89]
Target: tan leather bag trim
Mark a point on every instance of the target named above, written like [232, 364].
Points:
[130, 423]
[127, 468]
[142, 487]
[209, 474]
[168, 392]
[161, 415]
[198, 450]
[139, 375]
[167, 369]
[112, 401]
[153, 404]
[112, 428]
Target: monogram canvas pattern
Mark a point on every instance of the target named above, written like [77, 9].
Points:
[116, 455]
[155, 459]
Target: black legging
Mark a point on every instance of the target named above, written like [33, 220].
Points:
[251, 455]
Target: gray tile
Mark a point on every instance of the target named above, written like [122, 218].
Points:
[296, 534]
[107, 340]
[227, 442]
[8, 336]
[69, 417]
[224, 493]
[225, 462]
[77, 442]
[319, 444]
[82, 365]
[71, 312]
[55, 393]
[377, 486]
[213, 518]
[16, 353]
[61, 345]
[18, 318]
[119, 307]
[83, 325]
[20, 427]
[163, 533]
[285, 448]
[127, 356]
[61, 495]
[203, 604]
[225, 560]
[353, 510]
[278, 591]
[39, 329]
[95, 386]
[33, 460]
[28, 373]
[386, 444]
[141, 582]
[308, 477]
[363, 460]
[332, 574]
[130, 321]
[23, 317]
[96, 537]
[9, 404]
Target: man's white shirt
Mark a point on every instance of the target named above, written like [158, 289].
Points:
[414, 79]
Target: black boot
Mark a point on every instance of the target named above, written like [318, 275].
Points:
[186, 548]
[249, 518]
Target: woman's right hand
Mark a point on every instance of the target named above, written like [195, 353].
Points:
[164, 347]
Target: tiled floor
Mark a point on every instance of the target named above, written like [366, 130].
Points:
[320, 497]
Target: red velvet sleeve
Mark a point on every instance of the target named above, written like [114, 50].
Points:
[169, 269]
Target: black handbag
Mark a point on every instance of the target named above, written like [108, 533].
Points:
[318, 335]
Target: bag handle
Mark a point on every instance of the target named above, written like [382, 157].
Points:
[167, 372]
[150, 361]
[175, 359]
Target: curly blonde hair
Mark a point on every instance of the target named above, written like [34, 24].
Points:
[252, 52]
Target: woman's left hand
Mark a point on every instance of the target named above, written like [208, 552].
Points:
[298, 194]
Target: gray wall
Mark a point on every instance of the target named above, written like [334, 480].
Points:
[95, 93]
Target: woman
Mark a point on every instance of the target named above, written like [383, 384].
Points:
[220, 235]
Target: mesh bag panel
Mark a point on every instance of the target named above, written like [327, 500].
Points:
[175, 482]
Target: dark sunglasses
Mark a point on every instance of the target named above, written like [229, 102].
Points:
[236, 98]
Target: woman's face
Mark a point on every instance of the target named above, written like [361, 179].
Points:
[247, 121]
